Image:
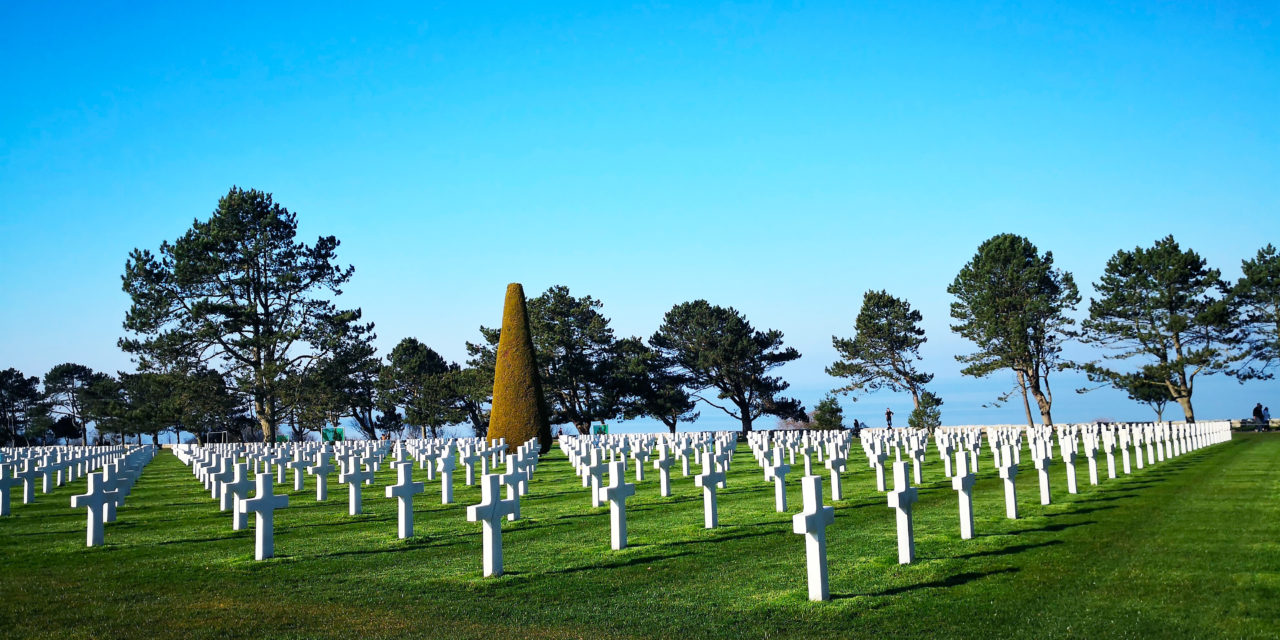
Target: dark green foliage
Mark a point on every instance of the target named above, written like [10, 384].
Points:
[346, 382]
[1150, 391]
[19, 403]
[238, 291]
[827, 414]
[715, 348]
[654, 386]
[426, 385]
[1163, 307]
[69, 392]
[1256, 303]
[884, 349]
[1012, 304]
[927, 414]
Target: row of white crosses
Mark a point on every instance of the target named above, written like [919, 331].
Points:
[50, 468]
[1005, 444]
[228, 479]
[591, 456]
[108, 489]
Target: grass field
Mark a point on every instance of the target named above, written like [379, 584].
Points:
[1186, 548]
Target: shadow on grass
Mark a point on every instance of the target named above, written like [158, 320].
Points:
[1076, 512]
[614, 565]
[396, 547]
[1005, 551]
[1121, 496]
[953, 581]
[1056, 527]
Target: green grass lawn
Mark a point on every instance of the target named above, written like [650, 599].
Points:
[1187, 548]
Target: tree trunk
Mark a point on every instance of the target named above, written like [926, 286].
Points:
[915, 398]
[1185, 403]
[1042, 402]
[1026, 405]
[266, 419]
[583, 428]
[746, 424]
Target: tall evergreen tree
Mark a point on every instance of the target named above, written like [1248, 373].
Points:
[1012, 304]
[426, 385]
[239, 292]
[718, 350]
[19, 403]
[69, 392]
[653, 386]
[827, 414]
[1164, 307]
[884, 349]
[1256, 302]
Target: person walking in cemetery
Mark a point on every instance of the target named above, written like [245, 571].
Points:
[888, 417]
[1266, 418]
[1257, 417]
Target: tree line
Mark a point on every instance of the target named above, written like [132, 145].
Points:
[234, 327]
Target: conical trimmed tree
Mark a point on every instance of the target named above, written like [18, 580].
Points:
[519, 408]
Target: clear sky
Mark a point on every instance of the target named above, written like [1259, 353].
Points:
[781, 158]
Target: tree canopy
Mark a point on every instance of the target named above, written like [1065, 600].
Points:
[1256, 302]
[884, 349]
[1164, 307]
[718, 350]
[1012, 304]
[239, 292]
[20, 398]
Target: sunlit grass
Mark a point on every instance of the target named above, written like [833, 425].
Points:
[1188, 547]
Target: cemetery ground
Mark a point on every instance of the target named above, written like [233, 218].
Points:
[1189, 547]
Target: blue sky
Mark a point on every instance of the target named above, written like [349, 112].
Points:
[781, 158]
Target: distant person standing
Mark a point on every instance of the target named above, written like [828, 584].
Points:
[1257, 416]
[1266, 418]
[888, 417]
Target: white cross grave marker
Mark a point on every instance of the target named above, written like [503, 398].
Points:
[403, 491]
[963, 484]
[812, 522]
[490, 513]
[901, 500]
[264, 504]
[616, 494]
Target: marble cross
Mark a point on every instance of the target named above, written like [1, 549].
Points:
[445, 464]
[836, 464]
[1042, 450]
[1009, 472]
[298, 464]
[354, 477]
[237, 491]
[812, 523]
[95, 501]
[264, 504]
[778, 473]
[901, 500]
[7, 482]
[663, 464]
[403, 491]
[616, 494]
[321, 470]
[491, 511]
[709, 480]
[963, 482]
